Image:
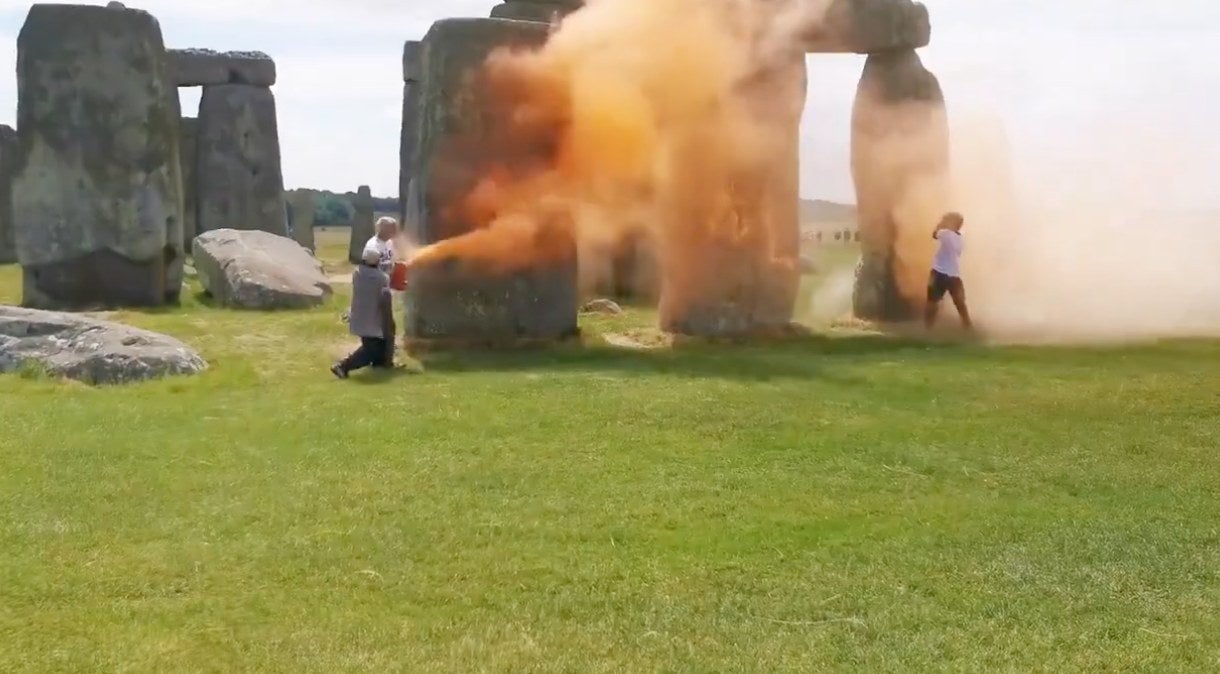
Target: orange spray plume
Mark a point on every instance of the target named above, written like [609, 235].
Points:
[637, 117]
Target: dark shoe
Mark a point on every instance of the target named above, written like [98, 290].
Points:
[339, 372]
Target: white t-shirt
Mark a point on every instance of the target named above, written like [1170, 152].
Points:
[949, 253]
[385, 248]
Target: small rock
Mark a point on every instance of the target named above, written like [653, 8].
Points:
[90, 350]
[605, 307]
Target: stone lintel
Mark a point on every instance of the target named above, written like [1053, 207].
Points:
[412, 69]
[534, 10]
[870, 26]
[204, 67]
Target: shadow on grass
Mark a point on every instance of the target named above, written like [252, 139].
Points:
[377, 376]
[801, 358]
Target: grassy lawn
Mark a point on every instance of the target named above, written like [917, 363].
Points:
[837, 503]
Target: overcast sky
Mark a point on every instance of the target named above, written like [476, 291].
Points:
[1096, 89]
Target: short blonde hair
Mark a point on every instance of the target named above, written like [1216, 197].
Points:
[386, 221]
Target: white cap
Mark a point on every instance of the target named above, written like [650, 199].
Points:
[371, 255]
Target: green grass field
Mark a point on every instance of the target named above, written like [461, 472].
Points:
[846, 503]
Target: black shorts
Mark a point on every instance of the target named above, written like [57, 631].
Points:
[939, 284]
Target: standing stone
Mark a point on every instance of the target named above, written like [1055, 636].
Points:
[188, 143]
[97, 198]
[302, 209]
[900, 165]
[731, 259]
[240, 183]
[410, 129]
[8, 163]
[456, 300]
[363, 226]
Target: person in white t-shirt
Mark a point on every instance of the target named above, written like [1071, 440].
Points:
[946, 274]
[383, 242]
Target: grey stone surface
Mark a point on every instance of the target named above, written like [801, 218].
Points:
[188, 145]
[602, 306]
[258, 270]
[452, 300]
[456, 302]
[869, 26]
[301, 212]
[363, 223]
[747, 282]
[97, 198]
[239, 178]
[204, 67]
[635, 271]
[8, 166]
[89, 350]
[411, 65]
[900, 166]
[534, 10]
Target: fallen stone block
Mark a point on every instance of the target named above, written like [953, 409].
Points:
[258, 270]
[89, 350]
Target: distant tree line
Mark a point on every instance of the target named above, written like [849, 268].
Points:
[332, 209]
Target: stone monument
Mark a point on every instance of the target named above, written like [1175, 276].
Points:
[301, 214]
[739, 286]
[363, 225]
[97, 196]
[238, 176]
[8, 164]
[455, 302]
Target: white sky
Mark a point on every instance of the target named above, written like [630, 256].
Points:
[1094, 90]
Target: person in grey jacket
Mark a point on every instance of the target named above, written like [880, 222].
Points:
[371, 317]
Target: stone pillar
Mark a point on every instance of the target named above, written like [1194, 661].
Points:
[455, 300]
[97, 196]
[302, 212]
[188, 142]
[8, 165]
[411, 67]
[730, 256]
[900, 165]
[363, 225]
[240, 182]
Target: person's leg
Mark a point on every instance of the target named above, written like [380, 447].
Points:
[380, 353]
[936, 292]
[362, 357]
[957, 291]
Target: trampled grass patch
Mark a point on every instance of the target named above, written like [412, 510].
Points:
[830, 503]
